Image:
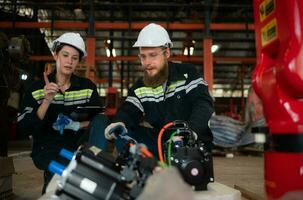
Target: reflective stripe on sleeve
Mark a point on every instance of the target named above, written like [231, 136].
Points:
[27, 110]
[136, 102]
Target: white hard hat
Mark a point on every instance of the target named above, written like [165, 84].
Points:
[153, 35]
[73, 39]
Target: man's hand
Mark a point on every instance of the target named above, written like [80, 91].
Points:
[114, 128]
[195, 135]
[179, 138]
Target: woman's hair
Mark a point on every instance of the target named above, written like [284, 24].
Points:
[63, 44]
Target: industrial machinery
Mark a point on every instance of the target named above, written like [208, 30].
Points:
[94, 174]
[189, 155]
[278, 81]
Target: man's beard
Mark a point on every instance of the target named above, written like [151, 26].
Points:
[157, 79]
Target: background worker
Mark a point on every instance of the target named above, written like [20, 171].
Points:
[47, 106]
[168, 91]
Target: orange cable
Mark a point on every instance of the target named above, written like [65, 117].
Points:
[160, 138]
[145, 152]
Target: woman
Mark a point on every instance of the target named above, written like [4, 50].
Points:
[48, 104]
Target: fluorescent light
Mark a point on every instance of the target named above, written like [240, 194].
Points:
[185, 52]
[23, 77]
[215, 48]
[191, 51]
[79, 13]
[107, 52]
[114, 52]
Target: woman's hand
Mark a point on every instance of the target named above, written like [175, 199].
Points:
[50, 89]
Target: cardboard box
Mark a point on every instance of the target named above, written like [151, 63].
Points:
[7, 169]
[6, 166]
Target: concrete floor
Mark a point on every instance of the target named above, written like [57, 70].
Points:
[243, 171]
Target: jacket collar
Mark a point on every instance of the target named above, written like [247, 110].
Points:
[174, 74]
[74, 80]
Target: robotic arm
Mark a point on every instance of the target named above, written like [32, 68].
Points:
[278, 81]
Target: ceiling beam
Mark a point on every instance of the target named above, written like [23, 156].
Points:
[124, 25]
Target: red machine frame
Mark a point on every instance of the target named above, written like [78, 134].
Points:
[278, 81]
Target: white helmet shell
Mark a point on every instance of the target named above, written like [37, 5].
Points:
[73, 39]
[153, 35]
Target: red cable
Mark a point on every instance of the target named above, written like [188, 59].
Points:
[160, 138]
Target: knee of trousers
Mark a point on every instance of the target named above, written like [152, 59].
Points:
[100, 120]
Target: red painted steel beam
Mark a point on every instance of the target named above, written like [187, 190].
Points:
[231, 26]
[195, 59]
[208, 63]
[41, 58]
[91, 51]
[199, 59]
[56, 25]
[124, 25]
[117, 58]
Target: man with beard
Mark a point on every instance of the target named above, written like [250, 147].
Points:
[168, 92]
